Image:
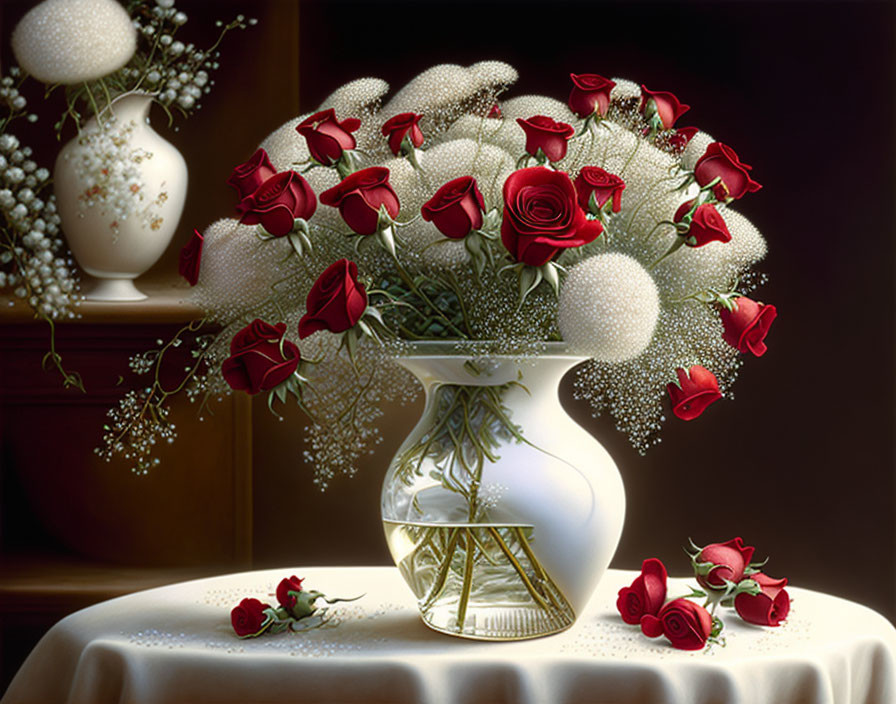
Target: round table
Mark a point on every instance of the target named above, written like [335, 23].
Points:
[175, 644]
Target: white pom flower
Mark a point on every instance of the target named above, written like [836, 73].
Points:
[609, 306]
[695, 149]
[625, 90]
[70, 41]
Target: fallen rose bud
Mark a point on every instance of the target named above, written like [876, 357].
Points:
[645, 595]
[769, 607]
[685, 624]
[719, 563]
[248, 618]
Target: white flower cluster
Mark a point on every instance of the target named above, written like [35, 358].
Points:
[71, 41]
[636, 314]
[179, 73]
[33, 261]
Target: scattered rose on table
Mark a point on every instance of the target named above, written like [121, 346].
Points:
[730, 579]
[646, 594]
[297, 611]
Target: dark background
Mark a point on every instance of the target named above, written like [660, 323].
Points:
[801, 464]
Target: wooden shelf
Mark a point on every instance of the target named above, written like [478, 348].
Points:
[49, 584]
[166, 303]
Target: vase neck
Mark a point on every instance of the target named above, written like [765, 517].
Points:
[124, 108]
[458, 370]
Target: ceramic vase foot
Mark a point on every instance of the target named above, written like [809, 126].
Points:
[114, 290]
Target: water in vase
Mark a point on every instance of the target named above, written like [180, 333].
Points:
[478, 580]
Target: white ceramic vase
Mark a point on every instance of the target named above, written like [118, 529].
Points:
[120, 189]
[501, 512]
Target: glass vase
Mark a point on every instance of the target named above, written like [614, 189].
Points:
[500, 511]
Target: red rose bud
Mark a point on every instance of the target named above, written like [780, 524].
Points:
[769, 607]
[747, 325]
[542, 217]
[603, 184]
[249, 175]
[665, 105]
[190, 258]
[327, 138]
[278, 202]
[401, 126]
[288, 584]
[546, 134]
[359, 197]
[456, 208]
[687, 625]
[335, 302]
[706, 225]
[721, 161]
[645, 595]
[260, 359]
[681, 138]
[590, 94]
[495, 112]
[727, 562]
[696, 389]
[248, 618]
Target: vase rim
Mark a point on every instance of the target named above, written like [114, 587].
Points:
[484, 348]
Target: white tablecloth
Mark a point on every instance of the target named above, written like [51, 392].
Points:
[175, 644]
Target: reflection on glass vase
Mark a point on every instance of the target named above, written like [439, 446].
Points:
[120, 189]
[501, 512]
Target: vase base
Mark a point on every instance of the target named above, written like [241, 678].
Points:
[114, 290]
[497, 624]
[478, 581]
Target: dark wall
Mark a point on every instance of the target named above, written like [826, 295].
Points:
[801, 463]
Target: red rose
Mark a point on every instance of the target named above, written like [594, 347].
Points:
[288, 584]
[249, 175]
[603, 184]
[541, 216]
[706, 225]
[456, 208]
[729, 562]
[248, 619]
[590, 94]
[686, 624]
[668, 107]
[748, 324]
[495, 112]
[769, 607]
[696, 390]
[190, 258]
[260, 358]
[682, 136]
[335, 302]
[278, 202]
[645, 595]
[327, 138]
[546, 134]
[359, 197]
[721, 161]
[396, 128]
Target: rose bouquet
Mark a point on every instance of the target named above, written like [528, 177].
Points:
[495, 226]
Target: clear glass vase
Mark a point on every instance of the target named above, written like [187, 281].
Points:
[501, 512]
